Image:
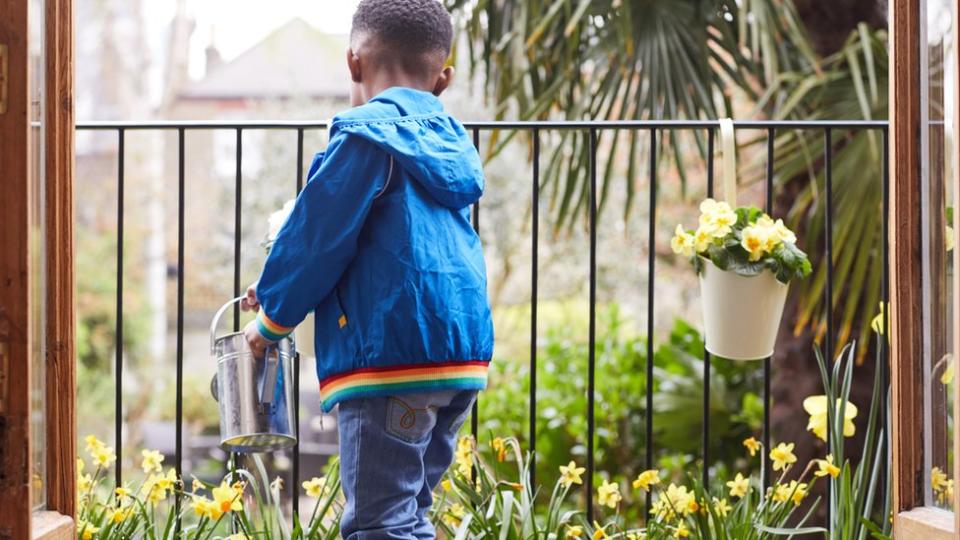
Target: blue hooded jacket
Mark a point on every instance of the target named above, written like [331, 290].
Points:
[379, 245]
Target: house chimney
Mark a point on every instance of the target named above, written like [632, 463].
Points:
[212, 54]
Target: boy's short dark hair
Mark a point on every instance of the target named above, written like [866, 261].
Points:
[414, 28]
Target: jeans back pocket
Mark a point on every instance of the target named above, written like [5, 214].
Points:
[409, 423]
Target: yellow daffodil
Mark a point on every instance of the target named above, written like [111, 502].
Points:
[721, 507]
[599, 532]
[938, 479]
[949, 238]
[682, 531]
[947, 376]
[85, 530]
[570, 474]
[83, 483]
[122, 493]
[151, 461]
[717, 217]
[680, 500]
[876, 324]
[93, 443]
[782, 456]
[608, 494]
[196, 485]
[756, 240]
[753, 446]
[202, 506]
[103, 456]
[80, 465]
[825, 467]
[454, 515]
[816, 407]
[646, 479]
[739, 486]
[945, 496]
[119, 514]
[682, 242]
[314, 487]
[574, 531]
[446, 484]
[464, 457]
[154, 490]
[500, 448]
[238, 536]
[794, 490]
[227, 498]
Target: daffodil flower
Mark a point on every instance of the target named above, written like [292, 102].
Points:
[825, 467]
[151, 461]
[721, 507]
[599, 532]
[682, 531]
[570, 474]
[103, 456]
[314, 487]
[782, 456]
[646, 479]
[948, 372]
[85, 530]
[752, 445]
[876, 324]
[574, 531]
[226, 498]
[739, 486]
[608, 494]
[816, 407]
[500, 448]
[464, 457]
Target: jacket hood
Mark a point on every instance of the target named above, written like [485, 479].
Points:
[432, 146]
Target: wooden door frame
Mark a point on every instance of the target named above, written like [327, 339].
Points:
[17, 520]
[912, 519]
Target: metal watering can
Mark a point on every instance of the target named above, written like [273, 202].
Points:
[255, 396]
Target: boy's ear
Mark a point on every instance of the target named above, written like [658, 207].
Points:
[353, 62]
[444, 80]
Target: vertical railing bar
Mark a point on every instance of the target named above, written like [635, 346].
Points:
[237, 224]
[651, 268]
[534, 268]
[828, 233]
[181, 197]
[295, 489]
[475, 216]
[706, 353]
[591, 351]
[767, 367]
[118, 332]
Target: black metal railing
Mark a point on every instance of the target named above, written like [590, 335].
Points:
[535, 129]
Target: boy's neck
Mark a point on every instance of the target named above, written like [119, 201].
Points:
[376, 86]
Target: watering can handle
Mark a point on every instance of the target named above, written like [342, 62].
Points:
[272, 358]
[216, 320]
[728, 157]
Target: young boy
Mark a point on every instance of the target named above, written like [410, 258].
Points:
[380, 247]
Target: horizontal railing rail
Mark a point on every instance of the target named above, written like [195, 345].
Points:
[535, 128]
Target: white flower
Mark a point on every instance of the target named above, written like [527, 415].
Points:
[277, 219]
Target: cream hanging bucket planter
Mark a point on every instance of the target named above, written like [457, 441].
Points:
[741, 314]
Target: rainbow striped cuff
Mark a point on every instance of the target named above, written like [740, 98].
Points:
[271, 330]
[387, 381]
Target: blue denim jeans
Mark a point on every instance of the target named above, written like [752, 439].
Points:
[393, 453]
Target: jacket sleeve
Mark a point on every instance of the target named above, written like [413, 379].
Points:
[319, 239]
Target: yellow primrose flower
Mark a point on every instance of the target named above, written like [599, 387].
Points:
[151, 461]
[756, 240]
[599, 532]
[783, 233]
[682, 242]
[947, 376]
[646, 479]
[122, 493]
[608, 494]
[702, 238]
[574, 531]
[827, 468]
[717, 217]
[227, 498]
[85, 530]
[721, 507]
[570, 474]
[816, 407]
[876, 324]
[103, 456]
[949, 238]
[314, 487]
[739, 486]
[500, 448]
[753, 445]
[682, 531]
[782, 456]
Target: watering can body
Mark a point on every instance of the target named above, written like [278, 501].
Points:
[255, 395]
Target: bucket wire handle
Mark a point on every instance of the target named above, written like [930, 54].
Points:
[728, 156]
[271, 369]
[216, 321]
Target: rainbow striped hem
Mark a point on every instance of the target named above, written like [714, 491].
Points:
[378, 382]
[271, 330]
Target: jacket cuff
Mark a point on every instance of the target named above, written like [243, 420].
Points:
[269, 329]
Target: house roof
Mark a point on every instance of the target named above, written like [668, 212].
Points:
[295, 60]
